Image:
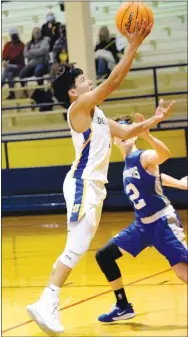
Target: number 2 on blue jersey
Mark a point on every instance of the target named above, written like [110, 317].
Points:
[134, 196]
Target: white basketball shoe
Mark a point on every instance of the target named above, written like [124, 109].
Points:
[46, 315]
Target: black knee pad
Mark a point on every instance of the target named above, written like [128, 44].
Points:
[106, 257]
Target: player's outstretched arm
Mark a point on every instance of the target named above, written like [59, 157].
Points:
[129, 131]
[142, 126]
[176, 183]
[90, 99]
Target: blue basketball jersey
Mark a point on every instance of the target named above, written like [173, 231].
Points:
[145, 191]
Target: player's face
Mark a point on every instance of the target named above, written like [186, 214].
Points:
[82, 85]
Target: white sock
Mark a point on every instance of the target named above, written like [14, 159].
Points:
[52, 291]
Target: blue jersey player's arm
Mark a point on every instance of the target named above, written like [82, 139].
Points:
[158, 155]
[176, 183]
[155, 157]
[160, 152]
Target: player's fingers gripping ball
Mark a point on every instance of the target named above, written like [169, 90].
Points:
[131, 12]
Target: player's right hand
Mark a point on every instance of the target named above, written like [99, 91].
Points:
[135, 39]
[161, 111]
[140, 118]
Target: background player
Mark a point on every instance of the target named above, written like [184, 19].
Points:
[84, 186]
[156, 224]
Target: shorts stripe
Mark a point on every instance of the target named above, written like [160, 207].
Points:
[78, 206]
[82, 210]
[82, 162]
[178, 233]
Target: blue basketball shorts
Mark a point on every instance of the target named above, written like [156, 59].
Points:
[166, 235]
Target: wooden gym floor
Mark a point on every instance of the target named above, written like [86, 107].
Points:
[30, 245]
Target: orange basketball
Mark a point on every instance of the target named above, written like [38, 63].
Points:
[129, 12]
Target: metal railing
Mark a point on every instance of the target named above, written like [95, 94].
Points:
[156, 94]
[55, 131]
[52, 134]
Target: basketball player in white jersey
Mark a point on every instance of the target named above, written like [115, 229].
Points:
[84, 186]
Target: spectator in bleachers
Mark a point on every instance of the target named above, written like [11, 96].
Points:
[51, 29]
[60, 51]
[13, 60]
[37, 53]
[106, 52]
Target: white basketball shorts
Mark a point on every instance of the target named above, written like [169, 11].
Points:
[84, 197]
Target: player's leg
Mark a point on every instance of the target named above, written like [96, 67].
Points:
[106, 259]
[170, 241]
[80, 234]
[45, 311]
[79, 238]
[131, 240]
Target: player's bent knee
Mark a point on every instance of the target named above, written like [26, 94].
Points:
[77, 244]
[110, 251]
[106, 257]
[69, 258]
[73, 253]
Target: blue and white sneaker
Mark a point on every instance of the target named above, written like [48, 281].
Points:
[117, 314]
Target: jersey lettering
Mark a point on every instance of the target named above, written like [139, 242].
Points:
[132, 172]
[101, 121]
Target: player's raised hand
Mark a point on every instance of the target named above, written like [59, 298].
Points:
[163, 112]
[139, 34]
[140, 118]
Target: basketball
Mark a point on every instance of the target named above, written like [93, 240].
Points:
[129, 12]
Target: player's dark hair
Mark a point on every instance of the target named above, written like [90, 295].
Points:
[63, 81]
[126, 118]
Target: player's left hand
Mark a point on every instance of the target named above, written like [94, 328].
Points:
[163, 112]
[184, 183]
[140, 118]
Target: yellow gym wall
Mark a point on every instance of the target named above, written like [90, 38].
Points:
[55, 152]
[3, 161]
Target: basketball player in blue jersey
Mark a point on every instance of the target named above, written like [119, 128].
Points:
[156, 223]
[84, 186]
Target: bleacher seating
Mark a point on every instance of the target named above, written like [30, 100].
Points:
[166, 45]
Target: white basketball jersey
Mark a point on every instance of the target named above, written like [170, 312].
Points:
[93, 149]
